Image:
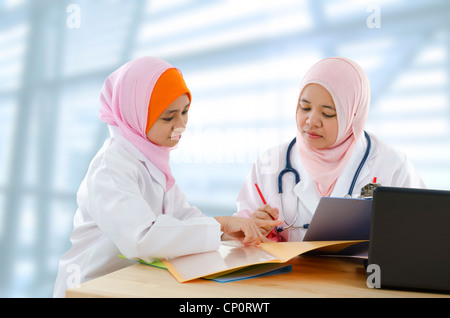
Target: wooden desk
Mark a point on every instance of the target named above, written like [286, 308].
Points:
[311, 276]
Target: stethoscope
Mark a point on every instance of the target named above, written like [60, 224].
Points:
[289, 168]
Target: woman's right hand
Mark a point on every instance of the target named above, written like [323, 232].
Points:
[262, 215]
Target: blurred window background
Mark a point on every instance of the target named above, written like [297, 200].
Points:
[242, 60]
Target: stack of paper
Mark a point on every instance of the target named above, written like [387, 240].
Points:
[232, 256]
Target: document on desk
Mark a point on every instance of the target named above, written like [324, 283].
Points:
[252, 271]
[232, 256]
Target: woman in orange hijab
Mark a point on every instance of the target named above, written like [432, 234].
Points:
[129, 202]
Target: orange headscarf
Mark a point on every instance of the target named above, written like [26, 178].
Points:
[170, 86]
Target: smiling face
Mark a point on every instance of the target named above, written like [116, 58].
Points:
[317, 117]
[168, 128]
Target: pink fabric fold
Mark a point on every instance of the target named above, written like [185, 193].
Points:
[124, 102]
[349, 87]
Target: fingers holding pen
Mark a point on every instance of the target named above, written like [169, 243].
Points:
[266, 218]
[266, 211]
[264, 214]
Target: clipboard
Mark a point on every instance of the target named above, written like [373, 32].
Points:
[339, 218]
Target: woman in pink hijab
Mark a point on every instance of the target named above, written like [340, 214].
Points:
[129, 202]
[331, 112]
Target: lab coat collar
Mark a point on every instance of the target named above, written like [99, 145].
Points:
[156, 174]
[306, 182]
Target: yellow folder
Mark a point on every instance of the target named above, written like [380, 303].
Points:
[232, 256]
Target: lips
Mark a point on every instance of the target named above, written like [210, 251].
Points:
[312, 135]
[176, 133]
[175, 137]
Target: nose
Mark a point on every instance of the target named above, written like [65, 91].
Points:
[178, 128]
[314, 119]
[179, 125]
[180, 122]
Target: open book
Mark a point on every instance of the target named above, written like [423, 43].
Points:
[232, 256]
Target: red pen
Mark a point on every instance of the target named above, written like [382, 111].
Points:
[262, 197]
[260, 194]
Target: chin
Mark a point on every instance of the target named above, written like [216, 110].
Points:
[171, 143]
[314, 143]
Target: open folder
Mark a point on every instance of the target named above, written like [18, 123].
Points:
[232, 256]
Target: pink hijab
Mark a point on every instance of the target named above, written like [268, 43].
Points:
[124, 103]
[349, 87]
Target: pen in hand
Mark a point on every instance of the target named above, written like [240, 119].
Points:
[269, 213]
[263, 199]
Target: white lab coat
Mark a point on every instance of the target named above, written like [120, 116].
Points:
[123, 209]
[389, 166]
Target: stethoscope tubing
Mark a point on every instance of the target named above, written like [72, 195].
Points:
[289, 168]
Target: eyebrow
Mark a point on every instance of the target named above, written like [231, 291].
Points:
[175, 110]
[325, 106]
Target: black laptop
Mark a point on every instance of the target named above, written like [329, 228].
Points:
[410, 238]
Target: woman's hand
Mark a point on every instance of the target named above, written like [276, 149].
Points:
[244, 229]
[263, 214]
